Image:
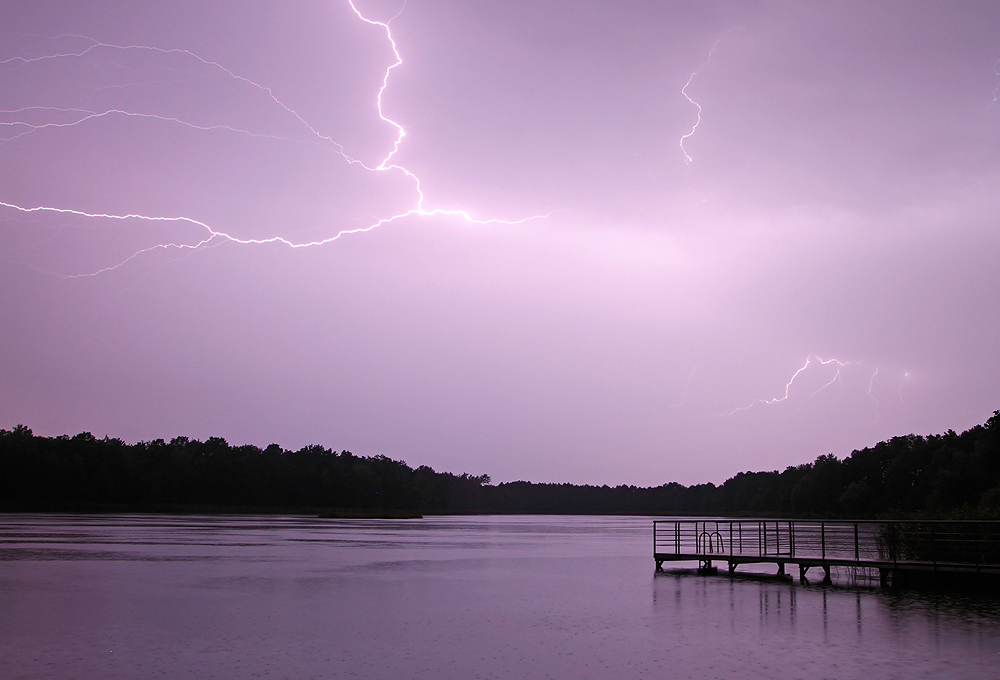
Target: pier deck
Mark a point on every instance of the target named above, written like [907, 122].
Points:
[892, 547]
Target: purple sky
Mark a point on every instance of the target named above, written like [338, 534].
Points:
[840, 207]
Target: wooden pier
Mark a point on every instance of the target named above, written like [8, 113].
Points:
[894, 548]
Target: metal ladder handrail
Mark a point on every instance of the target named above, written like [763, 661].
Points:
[706, 540]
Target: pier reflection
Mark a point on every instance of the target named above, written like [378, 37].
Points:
[839, 630]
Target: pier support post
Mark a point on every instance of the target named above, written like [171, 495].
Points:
[826, 574]
[659, 565]
[802, 574]
[883, 578]
[732, 567]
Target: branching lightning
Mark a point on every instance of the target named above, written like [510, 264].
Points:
[851, 379]
[788, 386]
[837, 376]
[96, 44]
[21, 125]
[687, 157]
[400, 132]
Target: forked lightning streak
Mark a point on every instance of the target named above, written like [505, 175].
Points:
[78, 116]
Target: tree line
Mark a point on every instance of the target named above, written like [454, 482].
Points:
[945, 475]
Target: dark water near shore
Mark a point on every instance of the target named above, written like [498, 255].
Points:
[141, 596]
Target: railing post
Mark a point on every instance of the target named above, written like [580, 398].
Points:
[934, 547]
[975, 545]
[889, 545]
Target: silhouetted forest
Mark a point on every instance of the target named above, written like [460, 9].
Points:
[946, 475]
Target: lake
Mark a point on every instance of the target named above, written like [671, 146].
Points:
[149, 596]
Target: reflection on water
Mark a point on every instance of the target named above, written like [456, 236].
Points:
[779, 628]
[444, 597]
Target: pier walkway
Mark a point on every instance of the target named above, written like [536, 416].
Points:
[895, 548]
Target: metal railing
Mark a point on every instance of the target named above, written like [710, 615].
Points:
[968, 543]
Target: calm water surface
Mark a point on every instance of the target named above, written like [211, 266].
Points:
[141, 596]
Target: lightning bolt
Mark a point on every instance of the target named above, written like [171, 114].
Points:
[996, 90]
[87, 115]
[836, 378]
[902, 380]
[22, 126]
[687, 385]
[791, 381]
[96, 44]
[400, 132]
[899, 389]
[697, 122]
[871, 387]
